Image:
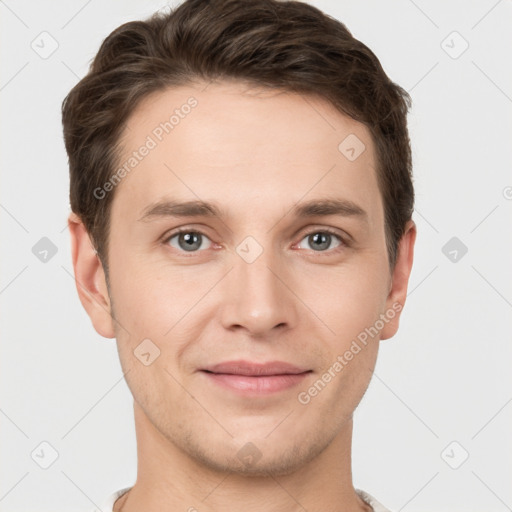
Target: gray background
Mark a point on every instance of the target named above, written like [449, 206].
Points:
[442, 387]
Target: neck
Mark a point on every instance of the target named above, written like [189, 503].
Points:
[168, 479]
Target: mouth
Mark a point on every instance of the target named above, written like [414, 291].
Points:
[255, 378]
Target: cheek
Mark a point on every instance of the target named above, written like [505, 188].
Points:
[349, 302]
[162, 304]
[145, 298]
[347, 299]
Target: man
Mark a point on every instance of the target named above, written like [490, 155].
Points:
[241, 200]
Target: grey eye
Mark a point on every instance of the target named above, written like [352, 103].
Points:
[320, 240]
[188, 241]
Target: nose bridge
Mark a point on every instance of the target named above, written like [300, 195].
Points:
[258, 299]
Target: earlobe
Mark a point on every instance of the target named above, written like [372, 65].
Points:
[90, 278]
[399, 281]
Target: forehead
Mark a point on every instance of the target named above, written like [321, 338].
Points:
[243, 145]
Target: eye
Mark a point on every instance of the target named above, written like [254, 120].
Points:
[321, 240]
[187, 240]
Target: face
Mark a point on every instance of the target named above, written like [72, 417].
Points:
[249, 328]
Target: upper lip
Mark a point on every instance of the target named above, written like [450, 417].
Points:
[256, 369]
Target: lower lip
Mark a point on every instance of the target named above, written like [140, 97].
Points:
[257, 384]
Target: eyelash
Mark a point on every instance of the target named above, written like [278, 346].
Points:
[343, 241]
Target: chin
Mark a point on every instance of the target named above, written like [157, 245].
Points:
[257, 458]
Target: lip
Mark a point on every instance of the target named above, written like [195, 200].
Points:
[253, 369]
[245, 377]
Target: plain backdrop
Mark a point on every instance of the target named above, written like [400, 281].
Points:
[433, 430]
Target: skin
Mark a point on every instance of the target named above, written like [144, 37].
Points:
[255, 153]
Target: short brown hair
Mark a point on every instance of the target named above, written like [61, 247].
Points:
[279, 44]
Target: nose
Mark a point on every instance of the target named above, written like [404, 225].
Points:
[258, 297]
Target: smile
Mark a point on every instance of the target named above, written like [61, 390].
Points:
[255, 378]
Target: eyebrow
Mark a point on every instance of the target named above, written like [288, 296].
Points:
[312, 208]
[170, 208]
[325, 207]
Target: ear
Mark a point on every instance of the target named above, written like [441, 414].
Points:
[90, 278]
[399, 281]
